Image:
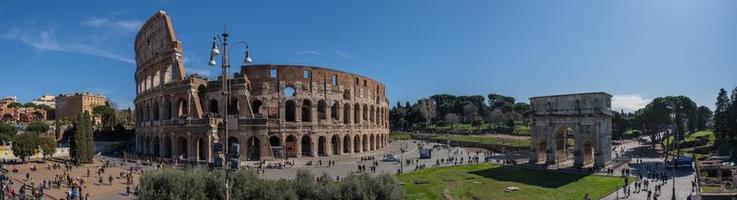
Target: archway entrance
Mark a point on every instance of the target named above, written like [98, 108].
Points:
[276, 148]
[372, 143]
[563, 143]
[182, 148]
[201, 149]
[291, 146]
[156, 146]
[357, 144]
[334, 142]
[321, 147]
[167, 147]
[346, 143]
[588, 152]
[541, 152]
[254, 148]
[365, 143]
[234, 143]
[306, 146]
[289, 110]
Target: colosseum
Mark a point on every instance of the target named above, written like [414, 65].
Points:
[275, 111]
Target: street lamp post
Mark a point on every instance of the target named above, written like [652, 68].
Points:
[215, 51]
[674, 142]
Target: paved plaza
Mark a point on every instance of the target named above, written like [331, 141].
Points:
[651, 163]
[105, 190]
[344, 166]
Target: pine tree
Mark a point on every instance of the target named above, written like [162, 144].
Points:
[720, 116]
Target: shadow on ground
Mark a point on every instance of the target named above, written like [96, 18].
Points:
[540, 178]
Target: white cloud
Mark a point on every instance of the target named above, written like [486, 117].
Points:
[629, 103]
[46, 40]
[310, 52]
[128, 25]
[342, 54]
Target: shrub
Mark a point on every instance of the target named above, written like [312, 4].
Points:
[200, 183]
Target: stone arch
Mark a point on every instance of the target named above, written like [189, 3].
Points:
[335, 143]
[290, 110]
[347, 94]
[155, 113]
[372, 142]
[201, 95]
[562, 143]
[587, 152]
[155, 143]
[167, 109]
[347, 144]
[357, 144]
[167, 147]
[334, 111]
[365, 113]
[347, 113]
[202, 149]
[291, 143]
[214, 106]
[234, 142]
[182, 108]
[254, 148]
[322, 110]
[357, 114]
[256, 105]
[371, 114]
[182, 149]
[276, 146]
[306, 143]
[322, 148]
[365, 142]
[233, 106]
[541, 152]
[306, 110]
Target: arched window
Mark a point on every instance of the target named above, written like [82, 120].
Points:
[347, 113]
[322, 110]
[256, 105]
[214, 106]
[334, 110]
[201, 92]
[357, 114]
[233, 106]
[167, 109]
[156, 111]
[347, 94]
[182, 108]
[306, 111]
[365, 112]
[289, 111]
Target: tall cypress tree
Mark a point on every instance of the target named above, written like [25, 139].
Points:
[720, 117]
[82, 146]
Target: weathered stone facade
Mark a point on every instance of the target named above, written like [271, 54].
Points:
[586, 117]
[275, 111]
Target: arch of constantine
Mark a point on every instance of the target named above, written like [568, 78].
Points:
[573, 124]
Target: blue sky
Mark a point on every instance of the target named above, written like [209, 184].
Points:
[633, 49]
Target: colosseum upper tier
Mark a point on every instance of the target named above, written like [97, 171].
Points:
[274, 112]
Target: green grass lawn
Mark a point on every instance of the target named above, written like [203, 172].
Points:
[486, 139]
[400, 135]
[488, 181]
